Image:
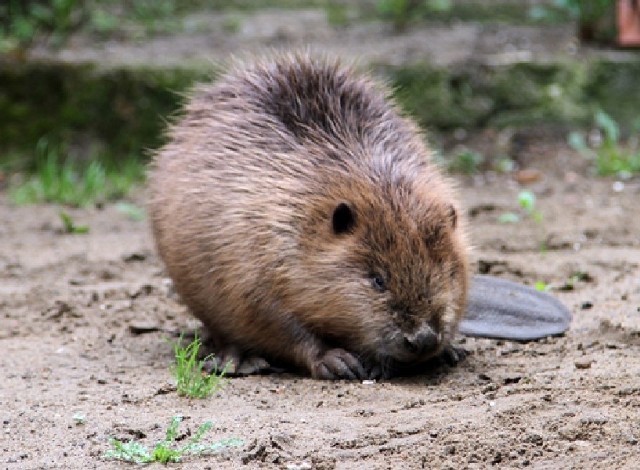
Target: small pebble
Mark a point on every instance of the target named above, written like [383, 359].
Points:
[299, 466]
[528, 176]
[583, 364]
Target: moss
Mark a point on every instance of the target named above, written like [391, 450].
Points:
[440, 98]
[615, 89]
[123, 111]
[516, 95]
[526, 93]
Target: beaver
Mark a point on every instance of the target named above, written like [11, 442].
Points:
[302, 219]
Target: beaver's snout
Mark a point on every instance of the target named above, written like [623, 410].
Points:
[421, 342]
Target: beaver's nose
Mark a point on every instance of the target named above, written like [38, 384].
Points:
[421, 342]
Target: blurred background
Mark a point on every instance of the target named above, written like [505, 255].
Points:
[87, 86]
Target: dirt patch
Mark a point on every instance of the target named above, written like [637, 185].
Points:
[72, 307]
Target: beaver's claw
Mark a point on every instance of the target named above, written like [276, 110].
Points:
[338, 364]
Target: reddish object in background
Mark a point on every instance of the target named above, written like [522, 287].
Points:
[628, 18]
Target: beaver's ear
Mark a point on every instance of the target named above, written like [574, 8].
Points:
[453, 216]
[343, 219]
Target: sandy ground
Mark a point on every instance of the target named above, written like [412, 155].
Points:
[70, 307]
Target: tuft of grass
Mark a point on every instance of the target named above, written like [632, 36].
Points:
[58, 179]
[166, 450]
[191, 379]
[610, 157]
[70, 226]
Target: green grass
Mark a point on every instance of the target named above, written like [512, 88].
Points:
[58, 179]
[609, 155]
[166, 451]
[191, 379]
[70, 226]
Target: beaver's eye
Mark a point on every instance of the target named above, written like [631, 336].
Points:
[377, 281]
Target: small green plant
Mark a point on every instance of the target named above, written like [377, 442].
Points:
[527, 203]
[70, 226]
[608, 155]
[166, 450]
[191, 379]
[542, 286]
[58, 179]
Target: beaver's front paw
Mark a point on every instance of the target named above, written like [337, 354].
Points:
[338, 364]
[452, 355]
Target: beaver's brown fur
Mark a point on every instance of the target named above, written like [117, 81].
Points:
[301, 219]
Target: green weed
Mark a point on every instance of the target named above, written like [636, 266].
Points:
[527, 204]
[610, 157]
[542, 286]
[166, 450]
[70, 226]
[60, 180]
[191, 379]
